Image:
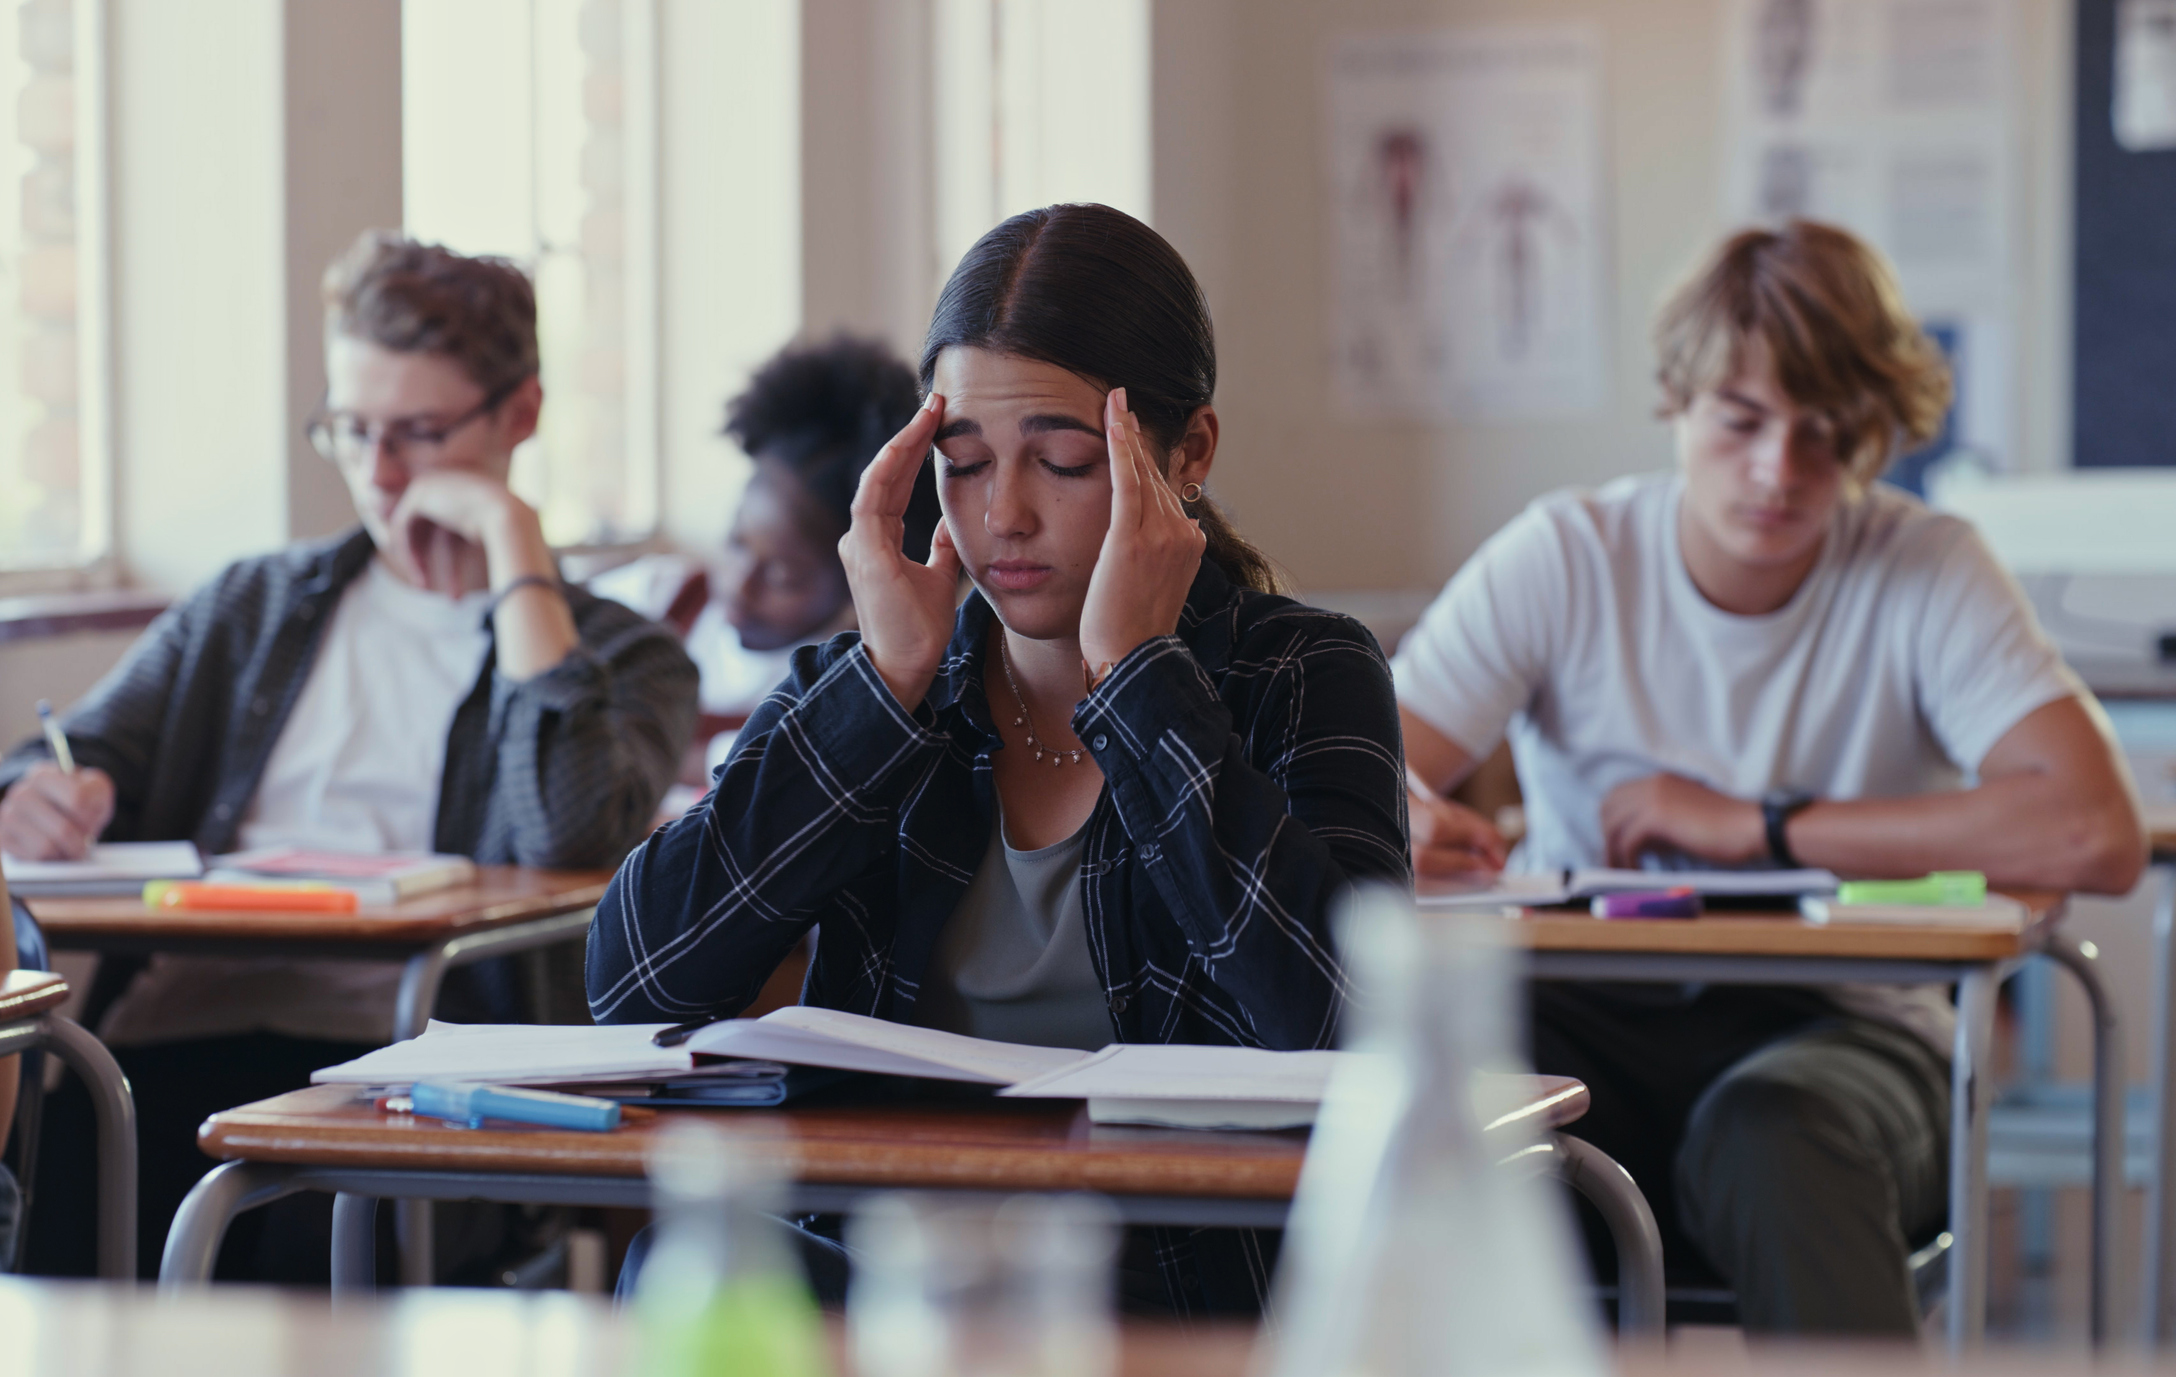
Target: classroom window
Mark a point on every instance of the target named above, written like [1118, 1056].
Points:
[529, 130]
[54, 514]
[1038, 101]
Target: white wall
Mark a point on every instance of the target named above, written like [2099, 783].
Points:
[1239, 189]
[200, 402]
[731, 250]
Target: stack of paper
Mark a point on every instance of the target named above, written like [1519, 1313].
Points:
[111, 868]
[1191, 1087]
[1998, 914]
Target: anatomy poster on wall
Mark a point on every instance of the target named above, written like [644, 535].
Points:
[1893, 119]
[1467, 235]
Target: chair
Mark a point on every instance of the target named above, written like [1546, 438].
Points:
[31, 1024]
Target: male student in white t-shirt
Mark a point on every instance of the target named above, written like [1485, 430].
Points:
[422, 682]
[1763, 659]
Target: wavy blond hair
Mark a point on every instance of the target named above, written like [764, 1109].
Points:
[1825, 309]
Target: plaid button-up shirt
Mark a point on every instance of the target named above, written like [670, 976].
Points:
[1253, 770]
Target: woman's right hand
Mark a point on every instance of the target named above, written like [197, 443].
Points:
[905, 609]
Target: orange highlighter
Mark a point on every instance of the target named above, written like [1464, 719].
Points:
[190, 896]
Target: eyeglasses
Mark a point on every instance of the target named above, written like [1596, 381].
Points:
[345, 438]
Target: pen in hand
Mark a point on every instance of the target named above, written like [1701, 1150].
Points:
[55, 738]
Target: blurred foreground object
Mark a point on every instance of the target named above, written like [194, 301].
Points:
[1416, 1245]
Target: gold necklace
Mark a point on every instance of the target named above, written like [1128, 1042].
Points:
[1057, 756]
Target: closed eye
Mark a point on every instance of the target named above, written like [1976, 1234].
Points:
[948, 469]
[1077, 471]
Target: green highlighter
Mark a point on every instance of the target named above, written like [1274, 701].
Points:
[1950, 888]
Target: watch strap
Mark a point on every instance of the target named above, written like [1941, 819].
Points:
[1777, 810]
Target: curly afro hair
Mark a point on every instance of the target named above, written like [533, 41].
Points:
[823, 411]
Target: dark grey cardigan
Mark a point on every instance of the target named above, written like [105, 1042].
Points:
[564, 769]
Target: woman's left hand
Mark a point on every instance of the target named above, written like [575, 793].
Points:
[1150, 554]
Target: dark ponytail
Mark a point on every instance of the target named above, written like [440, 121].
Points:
[1096, 292]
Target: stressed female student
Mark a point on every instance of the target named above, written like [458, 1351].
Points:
[1108, 798]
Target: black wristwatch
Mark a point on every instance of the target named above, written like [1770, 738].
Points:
[1777, 807]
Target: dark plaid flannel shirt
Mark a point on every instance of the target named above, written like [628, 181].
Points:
[1253, 767]
[563, 769]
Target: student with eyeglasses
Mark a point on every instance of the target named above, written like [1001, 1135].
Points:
[423, 682]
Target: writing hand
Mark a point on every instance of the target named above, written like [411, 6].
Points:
[1150, 553]
[905, 609]
[52, 815]
[1451, 839]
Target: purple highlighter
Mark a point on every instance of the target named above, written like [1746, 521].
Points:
[1652, 903]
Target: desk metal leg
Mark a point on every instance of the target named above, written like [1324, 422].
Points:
[1970, 1083]
[115, 1109]
[419, 983]
[2108, 1105]
[1611, 1189]
[354, 1242]
[2160, 1289]
[200, 1225]
[412, 1226]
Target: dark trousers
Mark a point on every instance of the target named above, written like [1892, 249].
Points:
[177, 1086]
[1794, 1150]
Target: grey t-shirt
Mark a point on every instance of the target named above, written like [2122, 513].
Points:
[1012, 963]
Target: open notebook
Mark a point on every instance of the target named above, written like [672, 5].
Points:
[1565, 886]
[1197, 1087]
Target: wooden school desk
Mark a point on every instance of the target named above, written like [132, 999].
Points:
[1780, 949]
[506, 909]
[328, 1138]
[30, 1019]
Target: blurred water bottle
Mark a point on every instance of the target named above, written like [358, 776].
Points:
[1413, 1248]
[721, 1293]
[961, 1287]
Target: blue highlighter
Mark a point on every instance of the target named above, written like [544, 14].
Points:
[465, 1102]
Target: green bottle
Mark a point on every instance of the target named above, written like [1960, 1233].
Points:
[721, 1294]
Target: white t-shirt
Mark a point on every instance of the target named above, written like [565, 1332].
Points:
[1906, 655]
[357, 767]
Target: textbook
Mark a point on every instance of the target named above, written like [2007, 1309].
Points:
[1568, 886]
[385, 877]
[111, 868]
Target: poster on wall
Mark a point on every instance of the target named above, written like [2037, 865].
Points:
[1894, 119]
[1467, 235]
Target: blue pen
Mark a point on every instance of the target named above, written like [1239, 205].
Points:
[467, 1103]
